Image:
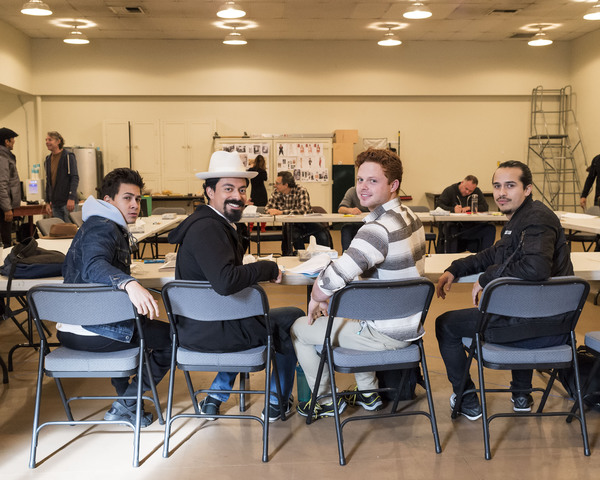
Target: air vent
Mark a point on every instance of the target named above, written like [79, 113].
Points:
[127, 10]
[522, 35]
[503, 11]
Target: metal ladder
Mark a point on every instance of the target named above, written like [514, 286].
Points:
[555, 152]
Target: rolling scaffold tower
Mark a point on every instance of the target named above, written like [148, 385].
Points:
[555, 153]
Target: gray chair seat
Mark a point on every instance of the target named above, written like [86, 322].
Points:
[67, 360]
[592, 340]
[209, 361]
[347, 357]
[497, 353]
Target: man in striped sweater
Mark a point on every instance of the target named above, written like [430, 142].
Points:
[389, 246]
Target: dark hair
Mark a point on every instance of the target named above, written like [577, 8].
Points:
[526, 178]
[113, 180]
[389, 161]
[472, 178]
[287, 178]
[259, 162]
[59, 137]
[212, 184]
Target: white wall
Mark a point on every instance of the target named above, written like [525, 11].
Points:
[15, 59]
[461, 107]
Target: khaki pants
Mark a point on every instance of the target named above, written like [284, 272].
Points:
[345, 333]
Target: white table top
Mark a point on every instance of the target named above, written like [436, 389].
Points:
[588, 224]
[156, 224]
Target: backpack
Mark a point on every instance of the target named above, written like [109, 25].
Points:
[27, 260]
[391, 379]
[585, 360]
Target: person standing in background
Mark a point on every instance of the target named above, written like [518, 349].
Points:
[62, 179]
[258, 194]
[10, 184]
[593, 173]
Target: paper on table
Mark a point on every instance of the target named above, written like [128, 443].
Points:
[250, 210]
[170, 261]
[313, 266]
[439, 211]
[581, 216]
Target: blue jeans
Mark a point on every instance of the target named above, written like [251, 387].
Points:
[62, 212]
[281, 319]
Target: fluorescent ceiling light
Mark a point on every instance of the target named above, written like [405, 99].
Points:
[417, 11]
[593, 13]
[37, 8]
[231, 10]
[76, 37]
[540, 39]
[235, 38]
[389, 40]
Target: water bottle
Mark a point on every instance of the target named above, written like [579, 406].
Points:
[302, 388]
[474, 203]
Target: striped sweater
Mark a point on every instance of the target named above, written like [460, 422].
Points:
[389, 246]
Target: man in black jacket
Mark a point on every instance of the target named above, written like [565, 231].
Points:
[532, 247]
[62, 178]
[461, 236]
[210, 250]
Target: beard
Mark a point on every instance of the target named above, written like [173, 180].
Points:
[233, 216]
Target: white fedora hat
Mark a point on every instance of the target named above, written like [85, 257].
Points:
[226, 164]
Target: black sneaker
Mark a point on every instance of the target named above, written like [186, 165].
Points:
[210, 406]
[120, 412]
[371, 401]
[275, 411]
[469, 407]
[522, 402]
[321, 410]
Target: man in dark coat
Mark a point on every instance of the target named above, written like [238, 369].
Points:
[532, 247]
[210, 250]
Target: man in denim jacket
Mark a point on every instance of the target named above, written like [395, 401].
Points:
[101, 253]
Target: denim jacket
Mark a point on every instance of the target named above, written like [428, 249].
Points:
[100, 253]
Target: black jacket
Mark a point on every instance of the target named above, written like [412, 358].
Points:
[451, 197]
[594, 174]
[67, 180]
[210, 250]
[532, 247]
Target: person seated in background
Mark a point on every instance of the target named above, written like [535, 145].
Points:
[101, 253]
[350, 205]
[291, 199]
[389, 246]
[458, 237]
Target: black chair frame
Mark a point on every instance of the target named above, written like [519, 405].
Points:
[205, 313]
[66, 401]
[489, 307]
[346, 303]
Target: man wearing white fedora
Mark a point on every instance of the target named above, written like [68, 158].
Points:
[210, 250]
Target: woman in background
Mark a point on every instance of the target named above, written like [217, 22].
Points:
[258, 194]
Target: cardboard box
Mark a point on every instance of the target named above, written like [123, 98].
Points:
[343, 154]
[345, 136]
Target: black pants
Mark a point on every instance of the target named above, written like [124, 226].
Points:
[5, 231]
[301, 233]
[452, 326]
[158, 342]
[459, 237]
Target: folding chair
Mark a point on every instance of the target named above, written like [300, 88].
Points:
[78, 304]
[551, 307]
[76, 218]
[430, 237]
[592, 343]
[198, 301]
[376, 300]
[44, 225]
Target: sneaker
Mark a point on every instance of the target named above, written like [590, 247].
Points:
[209, 406]
[321, 410]
[371, 401]
[275, 411]
[122, 413]
[522, 402]
[469, 407]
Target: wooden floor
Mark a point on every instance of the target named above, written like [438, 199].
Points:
[230, 449]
